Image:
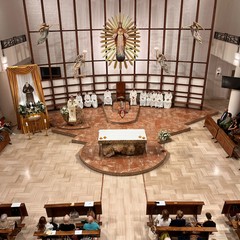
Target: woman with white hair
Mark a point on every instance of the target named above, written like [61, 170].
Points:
[5, 223]
[66, 225]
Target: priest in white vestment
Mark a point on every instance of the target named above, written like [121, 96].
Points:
[159, 100]
[168, 99]
[107, 98]
[87, 100]
[79, 101]
[72, 104]
[133, 97]
[94, 100]
[143, 98]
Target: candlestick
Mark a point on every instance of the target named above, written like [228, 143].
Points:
[28, 132]
[45, 123]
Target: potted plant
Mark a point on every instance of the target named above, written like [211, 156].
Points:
[164, 136]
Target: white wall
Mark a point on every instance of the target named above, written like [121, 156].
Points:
[12, 21]
[222, 53]
[227, 17]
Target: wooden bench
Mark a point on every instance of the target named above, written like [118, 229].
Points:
[91, 233]
[230, 209]
[211, 125]
[20, 211]
[61, 209]
[174, 231]
[222, 138]
[189, 208]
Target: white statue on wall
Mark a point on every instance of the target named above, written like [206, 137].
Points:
[71, 105]
[195, 27]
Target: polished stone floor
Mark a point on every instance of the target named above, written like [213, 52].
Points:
[47, 169]
[175, 120]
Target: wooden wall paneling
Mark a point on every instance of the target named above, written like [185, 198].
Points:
[91, 40]
[149, 37]
[209, 49]
[28, 30]
[62, 45]
[178, 51]
[76, 36]
[192, 58]
[105, 20]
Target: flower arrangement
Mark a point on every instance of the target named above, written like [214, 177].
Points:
[163, 135]
[33, 108]
[65, 113]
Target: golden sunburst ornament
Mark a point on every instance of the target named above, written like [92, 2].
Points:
[120, 41]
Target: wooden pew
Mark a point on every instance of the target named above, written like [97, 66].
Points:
[20, 211]
[189, 208]
[224, 140]
[211, 125]
[230, 209]
[61, 209]
[91, 233]
[174, 231]
[6, 233]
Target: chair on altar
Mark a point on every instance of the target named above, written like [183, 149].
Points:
[120, 87]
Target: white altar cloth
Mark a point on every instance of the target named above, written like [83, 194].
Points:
[113, 135]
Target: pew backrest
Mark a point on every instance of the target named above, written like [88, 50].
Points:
[61, 209]
[14, 211]
[188, 207]
[231, 208]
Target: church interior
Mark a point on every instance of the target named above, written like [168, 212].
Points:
[120, 103]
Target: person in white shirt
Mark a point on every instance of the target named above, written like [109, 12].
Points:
[107, 98]
[163, 220]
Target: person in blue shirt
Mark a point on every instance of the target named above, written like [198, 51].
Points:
[91, 224]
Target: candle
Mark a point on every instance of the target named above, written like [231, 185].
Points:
[45, 120]
[26, 124]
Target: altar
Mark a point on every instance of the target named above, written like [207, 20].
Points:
[122, 141]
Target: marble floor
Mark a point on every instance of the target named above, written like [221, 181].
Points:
[47, 169]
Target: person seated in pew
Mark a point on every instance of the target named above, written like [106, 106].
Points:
[226, 122]
[5, 223]
[179, 221]
[208, 223]
[234, 126]
[223, 117]
[91, 224]
[66, 225]
[43, 225]
[163, 220]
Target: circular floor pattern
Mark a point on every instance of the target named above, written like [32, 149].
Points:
[122, 165]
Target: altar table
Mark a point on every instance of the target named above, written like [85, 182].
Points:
[122, 141]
